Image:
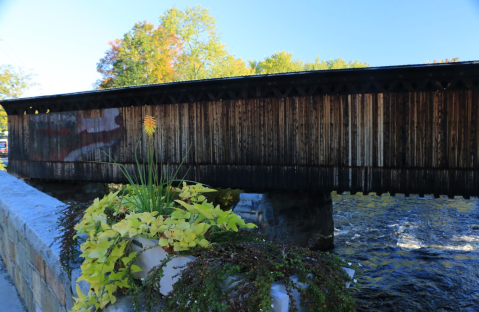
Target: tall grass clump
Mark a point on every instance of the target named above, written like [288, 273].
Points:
[151, 188]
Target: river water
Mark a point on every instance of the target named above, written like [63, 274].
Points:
[417, 254]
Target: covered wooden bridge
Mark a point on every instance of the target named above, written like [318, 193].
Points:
[405, 129]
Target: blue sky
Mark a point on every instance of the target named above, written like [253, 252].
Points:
[62, 40]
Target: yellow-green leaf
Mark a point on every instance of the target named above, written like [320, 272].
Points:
[163, 242]
[122, 227]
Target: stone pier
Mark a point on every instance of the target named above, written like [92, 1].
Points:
[303, 218]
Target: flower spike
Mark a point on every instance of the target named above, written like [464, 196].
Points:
[149, 125]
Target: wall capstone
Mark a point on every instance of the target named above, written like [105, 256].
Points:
[28, 226]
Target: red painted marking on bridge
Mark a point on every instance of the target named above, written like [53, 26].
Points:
[63, 132]
[76, 136]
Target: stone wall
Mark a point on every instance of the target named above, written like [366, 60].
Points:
[28, 226]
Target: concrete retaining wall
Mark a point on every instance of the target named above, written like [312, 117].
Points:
[28, 225]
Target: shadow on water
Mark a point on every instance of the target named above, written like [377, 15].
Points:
[417, 254]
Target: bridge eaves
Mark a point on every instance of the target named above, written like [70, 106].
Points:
[371, 80]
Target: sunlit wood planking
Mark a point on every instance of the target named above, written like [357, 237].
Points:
[396, 135]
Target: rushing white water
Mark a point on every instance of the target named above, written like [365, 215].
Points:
[417, 254]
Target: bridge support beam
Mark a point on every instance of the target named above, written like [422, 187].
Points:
[302, 218]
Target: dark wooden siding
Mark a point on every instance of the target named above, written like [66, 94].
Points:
[404, 142]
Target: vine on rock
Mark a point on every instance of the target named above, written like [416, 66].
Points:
[235, 273]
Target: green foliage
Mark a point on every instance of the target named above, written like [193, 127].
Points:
[203, 54]
[279, 62]
[255, 263]
[338, 63]
[282, 62]
[453, 60]
[149, 289]
[13, 83]
[111, 224]
[106, 265]
[69, 243]
[226, 198]
[3, 121]
[145, 55]
[199, 209]
[185, 46]
[149, 190]
[2, 166]
[229, 66]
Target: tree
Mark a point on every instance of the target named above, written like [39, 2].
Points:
[229, 66]
[453, 60]
[145, 55]
[13, 83]
[203, 55]
[3, 122]
[283, 62]
[185, 46]
[278, 62]
[338, 63]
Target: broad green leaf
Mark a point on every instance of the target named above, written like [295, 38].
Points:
[232, 225]
[182, 225]
[132, 232]
[135, 268]
[116, 276]
[182, 203]
[203, 243]
[201, 228]
[180, 214]
[80, 294]
[163, 242]
[107, 234]
[189, 237]
[122, 227]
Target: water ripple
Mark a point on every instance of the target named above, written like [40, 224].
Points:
[418, 254]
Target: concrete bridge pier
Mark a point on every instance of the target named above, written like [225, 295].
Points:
[302, 218]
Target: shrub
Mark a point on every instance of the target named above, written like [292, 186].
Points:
[255, 262]
[226, 198]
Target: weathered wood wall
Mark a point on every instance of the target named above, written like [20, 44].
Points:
[403, 142]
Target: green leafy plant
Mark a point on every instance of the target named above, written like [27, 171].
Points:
[68, 240]
[2, 166]
[105, 262]
[111, 223]
[226, 198]
[255, 262]
[151, 189]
